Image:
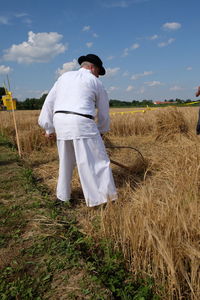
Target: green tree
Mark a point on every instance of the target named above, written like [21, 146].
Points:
[2, 91]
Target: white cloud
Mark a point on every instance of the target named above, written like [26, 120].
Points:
[95, 35]
[110, 57]
[176, 88]
[7, 20]
[126, 51]
[69, 66]
[44, 92]
[130, 88]
[141, 90]
[4, 20]
[4, 70]
[40, 47]
[89, 44]
[21, 15]
[24, 18]
[27, 21]
[168, 42]
[121, 4]
[137, 76]
[153, 37]
[86, 28]
[131, 48]
[171, 26]
[134, 46]
[111, 72]
[112, 88]
[153, 83]
[126, 73]
[189, 68]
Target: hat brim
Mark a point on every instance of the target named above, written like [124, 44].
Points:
[81, 59]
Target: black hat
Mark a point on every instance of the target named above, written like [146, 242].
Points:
[94, 59]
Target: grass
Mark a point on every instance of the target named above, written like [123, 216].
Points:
[43, 252]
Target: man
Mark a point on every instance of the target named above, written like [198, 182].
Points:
[69, 111]
[198, 123]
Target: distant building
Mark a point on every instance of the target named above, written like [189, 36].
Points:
[163, 102]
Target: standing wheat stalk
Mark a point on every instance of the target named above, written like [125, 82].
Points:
[14, 119]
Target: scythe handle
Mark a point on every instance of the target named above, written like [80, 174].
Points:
[125, 147]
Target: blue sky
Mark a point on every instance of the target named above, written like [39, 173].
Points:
[150, 48]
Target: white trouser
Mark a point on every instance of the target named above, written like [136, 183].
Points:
[94, 170]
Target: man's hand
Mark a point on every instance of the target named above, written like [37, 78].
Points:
[50, 136]
[198, 92]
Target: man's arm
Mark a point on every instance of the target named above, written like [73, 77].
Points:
[46, 115]
[102, 103]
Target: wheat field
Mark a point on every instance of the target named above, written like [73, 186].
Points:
[155, 221]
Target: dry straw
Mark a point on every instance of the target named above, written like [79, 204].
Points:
[169, 123]
[157, 224]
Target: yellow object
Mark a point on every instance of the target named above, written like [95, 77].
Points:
[132, 111]
[194, 102]
[8, 102]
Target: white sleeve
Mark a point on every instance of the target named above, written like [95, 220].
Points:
[46, 115]
[102, 104]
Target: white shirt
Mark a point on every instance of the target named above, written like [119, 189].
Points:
[78, 91]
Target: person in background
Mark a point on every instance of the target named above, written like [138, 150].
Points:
[68, 112]
[198, 122]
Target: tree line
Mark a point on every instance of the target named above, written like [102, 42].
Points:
[144, 103]
[36, 103]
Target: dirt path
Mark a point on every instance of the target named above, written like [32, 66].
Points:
[40, 255]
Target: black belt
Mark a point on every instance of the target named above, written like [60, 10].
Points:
[74, 113]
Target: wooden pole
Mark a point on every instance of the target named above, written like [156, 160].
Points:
[14, 119]
[16, 130]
